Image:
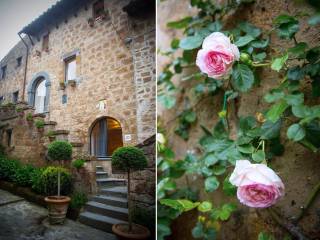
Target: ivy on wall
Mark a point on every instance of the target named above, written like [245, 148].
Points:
[258, 137]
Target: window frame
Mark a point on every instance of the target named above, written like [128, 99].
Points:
[19, 61]
[15, 96]
[97, 6]
[45, 42]
[67, 61]
[3, 71]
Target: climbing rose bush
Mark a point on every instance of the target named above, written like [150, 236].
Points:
[258, 185]
[217, 55]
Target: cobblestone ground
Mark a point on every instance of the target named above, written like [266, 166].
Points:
[22, 220]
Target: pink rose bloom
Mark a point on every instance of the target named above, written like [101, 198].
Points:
[258, 185]
[217, 55]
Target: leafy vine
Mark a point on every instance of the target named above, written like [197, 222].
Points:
[258, 137]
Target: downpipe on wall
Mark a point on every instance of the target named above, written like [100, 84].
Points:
[25, 67]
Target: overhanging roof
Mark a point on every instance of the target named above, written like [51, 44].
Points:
[53, 16]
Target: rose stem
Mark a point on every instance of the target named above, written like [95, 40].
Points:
[309, 202]
[292, 229]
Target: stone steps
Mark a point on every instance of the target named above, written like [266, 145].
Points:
[107, 210]
[115, 192]
[110, 182]
[112, 201]
[101, 174]
[98, 221]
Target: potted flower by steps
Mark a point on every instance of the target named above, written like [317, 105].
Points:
[50, 134]
[20, 112]
[129, 159]
[58, 205]
[29, 118]
[39, 125]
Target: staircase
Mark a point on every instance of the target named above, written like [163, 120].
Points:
[109, 206]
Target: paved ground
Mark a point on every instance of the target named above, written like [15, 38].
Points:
[22, 220]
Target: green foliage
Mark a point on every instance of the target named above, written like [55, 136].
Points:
[2, 150]
[242, 77]
[50, 133]
[60, 150]
[8, 168]
[29, 117]
[23, 175]
[45, 181]
[186, 119]
[78, 163]
[129, 158]
[39, 123]
[287, 26]
[78, 200]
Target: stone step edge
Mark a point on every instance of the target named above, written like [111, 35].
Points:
[107, 207]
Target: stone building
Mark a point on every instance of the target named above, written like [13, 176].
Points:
[87, 68]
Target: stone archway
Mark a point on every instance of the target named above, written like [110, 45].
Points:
[34, 83]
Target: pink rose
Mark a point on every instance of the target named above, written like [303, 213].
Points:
[217, 55]
[258, 185]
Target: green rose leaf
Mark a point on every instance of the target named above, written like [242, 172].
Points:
[274, 96]
[190, 43]
[247, 148]
[259, 57]
[278, 63]
[205, 206]
[294, 99]
[175, 43]
[296, 132]
[295, 74]
[276, 111]
[258, 156]
[249, 29]
[299, 49]
[242, 41]
[226, 211]
[228, 188]
[183, 23]
[242, 77]
[287, 26]
[210, 159]
[314, 20]
[167, 101]
[211, 184]
[270, 130]
[218, 169]
[181, 205]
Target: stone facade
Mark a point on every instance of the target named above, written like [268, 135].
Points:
[115, 77]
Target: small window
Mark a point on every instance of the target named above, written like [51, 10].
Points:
[45, 42]
[1, 99]
[98, 9]
[9, 137]
[3, 71]
[15, 97]
[70, 66]
[19, 61]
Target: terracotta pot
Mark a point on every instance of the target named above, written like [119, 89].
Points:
[58, 207]
[138, 231]
[52, 138]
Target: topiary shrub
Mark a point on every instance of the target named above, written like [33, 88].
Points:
[60, 150]
[78, 163]
[23, 175]
[129, 158]
[44, 181]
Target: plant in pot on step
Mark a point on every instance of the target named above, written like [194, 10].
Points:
[129, 159]
[58, 205]
[40, 125]
[29, 118]
[20, 112]
[50, 134]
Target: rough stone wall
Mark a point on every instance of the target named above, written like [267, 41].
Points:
[14, 75]
[106, 67]
[298, 167]
[143, 182]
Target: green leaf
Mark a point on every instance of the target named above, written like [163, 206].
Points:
[270, 130]
[218, 169]
[249, 29]
[259, 57]
[264, 236]
[313, 55]
[167, 101]
[278, 63]
[299, 49]
[294, 99]
[198, 230]
[247, 148]
[242, 41]
[300, 111]
[228, 188]
[314, 20]
[276, 111]
[183, 23]
[205, 206]
[175, 43]
[274, 96]
[211, 184]
[287, 26]
[296, 132]
[258, 156]
[190, 43]
[260, 43]
[181, 205]
[210, 159]
[216, 26]
[226, 211]
[190, 116]
[295, 74]
[242, 77]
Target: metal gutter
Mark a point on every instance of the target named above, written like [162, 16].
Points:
[25, 67]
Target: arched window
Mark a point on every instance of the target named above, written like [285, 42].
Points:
[40, 96]
[105, 137]
[39, 92]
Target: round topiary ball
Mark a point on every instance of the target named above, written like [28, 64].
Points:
[127, 158]
[60, 150]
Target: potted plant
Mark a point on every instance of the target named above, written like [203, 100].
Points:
[29, 118]
[129, 159]
[50, 134]
[40, 125]
[58, 205]
[20, 111]
[78, 163]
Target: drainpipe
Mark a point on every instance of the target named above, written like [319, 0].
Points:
[25, 67]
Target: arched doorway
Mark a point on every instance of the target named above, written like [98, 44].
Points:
[105, 137]
[40, 96]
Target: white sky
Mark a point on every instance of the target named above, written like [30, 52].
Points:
[14, 15]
